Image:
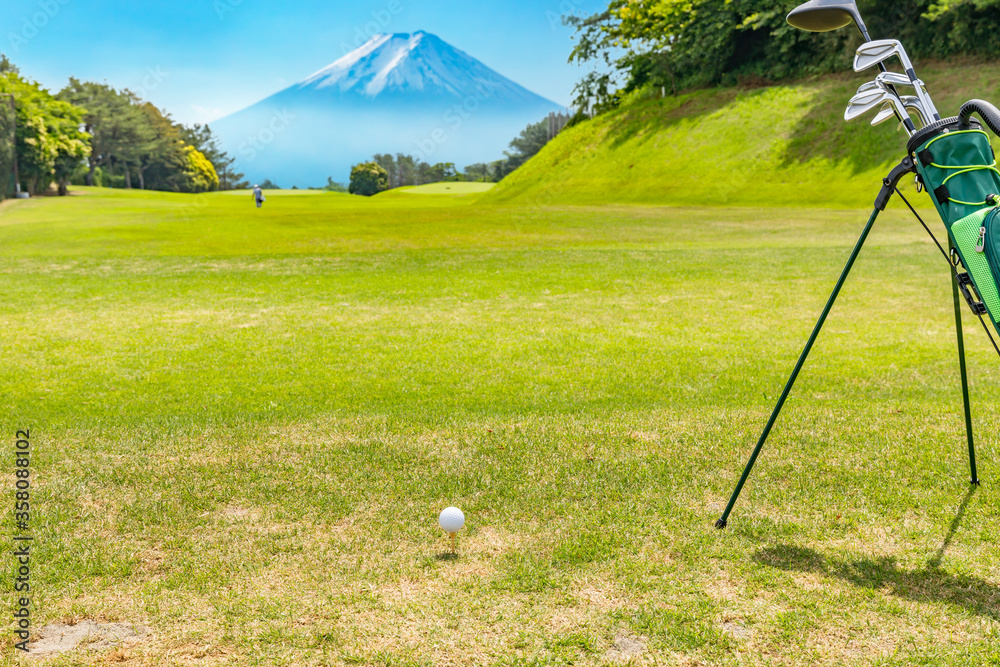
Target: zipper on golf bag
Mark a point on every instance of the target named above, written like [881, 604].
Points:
[988, 242]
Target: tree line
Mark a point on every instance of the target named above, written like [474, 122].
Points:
[90, 133]
[386, 172]
[681, 44]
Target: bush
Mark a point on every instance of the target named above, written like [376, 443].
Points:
[368, 179]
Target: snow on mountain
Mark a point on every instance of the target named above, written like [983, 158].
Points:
[419, 63]
[398, 93]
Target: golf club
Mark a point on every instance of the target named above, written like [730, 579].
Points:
[867, 96]
[826, 15]
[887, 112]
[869, 85]
[865, 102]
[877, 52]
[883, 83]
[913, 102]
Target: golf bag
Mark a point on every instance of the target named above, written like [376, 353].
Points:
[953, 160]
[957, 165]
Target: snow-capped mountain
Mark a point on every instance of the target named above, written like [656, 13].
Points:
[400, 93]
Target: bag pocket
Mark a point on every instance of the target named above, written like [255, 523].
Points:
[976, 246]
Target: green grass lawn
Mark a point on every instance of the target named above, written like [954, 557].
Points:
[448, 188]
[246, 422]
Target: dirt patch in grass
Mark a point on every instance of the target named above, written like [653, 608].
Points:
[56, 638]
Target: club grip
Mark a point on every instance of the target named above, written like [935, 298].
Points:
[989, 113]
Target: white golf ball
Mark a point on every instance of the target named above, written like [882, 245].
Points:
[451, 519]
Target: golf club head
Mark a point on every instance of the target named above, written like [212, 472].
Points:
[870, 96]
[871, 54]
[884, 114]
[870, 85]
[913, 102]
[894, 79]
[862, 104]
[825, 15]
[928, 112]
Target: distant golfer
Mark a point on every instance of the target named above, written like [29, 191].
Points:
[258, 196]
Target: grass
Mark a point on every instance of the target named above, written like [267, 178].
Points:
[246, 421]
[447, 188]
[785, 145]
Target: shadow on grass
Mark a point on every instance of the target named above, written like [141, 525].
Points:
[446, 556]
[824, 133]
[646, 119]
[927, 584]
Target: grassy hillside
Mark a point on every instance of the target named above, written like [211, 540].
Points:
[785, 145]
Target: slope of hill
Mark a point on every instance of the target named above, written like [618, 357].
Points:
[784, 145]
[408, 93]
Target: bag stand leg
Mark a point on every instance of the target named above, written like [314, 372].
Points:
[889, 184]
[722, 522]
[965, 377]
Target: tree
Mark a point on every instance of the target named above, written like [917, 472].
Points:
[408, 170]
[387, 162]
[268, 184]
[527, 144]
[479, 172]
[7, 66]
[679, 44]
[104, 120]
[49, 141]
[199, 172]
[368, 179]
[132, 138]
[333, 186]
[201, 137]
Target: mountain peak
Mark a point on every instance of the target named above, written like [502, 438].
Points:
[418, 62]
[404, 92]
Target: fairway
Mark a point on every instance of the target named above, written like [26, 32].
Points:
[245, 423]
[457, 189]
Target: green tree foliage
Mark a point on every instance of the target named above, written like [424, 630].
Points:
[679, 44]
[201, 137]
[198, 171]
[268, 184]
[134, 143]
[49, 142]
[333, 186]
[403, 170]
[368, 179]
[527, 144]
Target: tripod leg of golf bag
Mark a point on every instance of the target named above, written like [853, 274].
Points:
[888, 187]
[965, 377]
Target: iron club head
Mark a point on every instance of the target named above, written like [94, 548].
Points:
[865, 102]
[871, 54]
[884, 114]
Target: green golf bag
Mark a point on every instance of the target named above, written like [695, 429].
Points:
[959, 169]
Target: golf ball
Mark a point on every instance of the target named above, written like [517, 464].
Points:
[451, 519]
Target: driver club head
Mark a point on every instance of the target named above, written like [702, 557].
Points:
[825, 15]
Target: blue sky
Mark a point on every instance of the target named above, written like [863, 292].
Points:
[203, 59]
